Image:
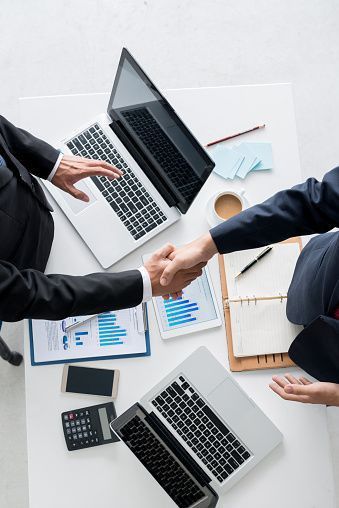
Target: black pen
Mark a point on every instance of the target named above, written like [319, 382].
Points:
[259, 256]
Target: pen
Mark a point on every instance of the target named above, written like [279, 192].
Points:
[79, 322]
[211, 143]
[251, 263]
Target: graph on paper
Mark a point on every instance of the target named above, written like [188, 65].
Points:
[110, 333]
[195, 306]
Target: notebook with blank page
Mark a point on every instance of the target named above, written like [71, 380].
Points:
[257, 300]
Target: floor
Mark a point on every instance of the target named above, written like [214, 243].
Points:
[50, 47]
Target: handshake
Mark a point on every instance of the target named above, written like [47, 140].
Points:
[170, 269]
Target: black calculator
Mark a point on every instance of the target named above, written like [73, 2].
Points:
[89, 426]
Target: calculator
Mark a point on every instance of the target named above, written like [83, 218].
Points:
[89, 426]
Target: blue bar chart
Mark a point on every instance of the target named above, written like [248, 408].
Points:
[79, 336]
[194, 307]
[180, 311]
[110, 332]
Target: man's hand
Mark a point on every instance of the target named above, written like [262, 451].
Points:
[303, 390]
[192, 254]
[155, 266]
[72, 169]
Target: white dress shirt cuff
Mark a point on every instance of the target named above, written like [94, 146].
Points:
[55, 167]
[147, 294]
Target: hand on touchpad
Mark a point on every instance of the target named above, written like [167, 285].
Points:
[76, 205]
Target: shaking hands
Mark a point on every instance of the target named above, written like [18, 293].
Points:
[180, 278]
[187, 258]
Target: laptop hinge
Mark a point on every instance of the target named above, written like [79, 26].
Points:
[156, 180]
[179, 451]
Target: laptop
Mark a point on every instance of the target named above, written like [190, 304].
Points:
[197, 432]
[164, 168]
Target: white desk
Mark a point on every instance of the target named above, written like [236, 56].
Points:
[299, 471]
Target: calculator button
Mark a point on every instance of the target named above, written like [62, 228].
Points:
[88, 420]
[77, 422]
[67, 425]
[85, 434]
[92, 440]
[68, 431]
[65, 417]
[72, 424]
[86, 412]
[74, 430]
[90, 433]
[87, 442]
[81, 414]
[75, 437]
[71, 416]
[80, 435]
[83, 421]
[95, 433]
[84, 427]
[78, 429]
[89, 427]
[97, 440]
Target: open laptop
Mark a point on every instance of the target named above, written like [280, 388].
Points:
[197, 432]
[164, 168]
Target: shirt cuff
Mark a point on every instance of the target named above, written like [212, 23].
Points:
[55, 167]
[147, 294]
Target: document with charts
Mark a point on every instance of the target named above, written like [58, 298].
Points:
[257, 300]
[107, 335]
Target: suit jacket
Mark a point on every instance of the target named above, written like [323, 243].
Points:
[26, 232]
[311, 207]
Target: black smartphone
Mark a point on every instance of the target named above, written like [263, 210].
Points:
[90, 380]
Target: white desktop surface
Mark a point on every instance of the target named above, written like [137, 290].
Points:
[299, 471]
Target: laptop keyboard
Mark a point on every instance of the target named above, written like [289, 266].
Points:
[164, 151]
[160, 463]
[129, 199]
[205, 434]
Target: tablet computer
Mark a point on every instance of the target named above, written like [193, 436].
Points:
[195, 310]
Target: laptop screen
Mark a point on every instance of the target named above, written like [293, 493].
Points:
[174, 154]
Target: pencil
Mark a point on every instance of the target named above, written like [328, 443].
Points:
[211, 143]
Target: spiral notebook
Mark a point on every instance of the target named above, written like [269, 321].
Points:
[258, 331]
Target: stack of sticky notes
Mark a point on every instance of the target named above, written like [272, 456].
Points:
[239, 160]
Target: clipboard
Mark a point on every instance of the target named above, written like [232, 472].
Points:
[146, 352]
[258, 362]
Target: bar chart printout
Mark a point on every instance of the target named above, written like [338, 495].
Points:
[193, 307]
[109, 331]
[114, 333]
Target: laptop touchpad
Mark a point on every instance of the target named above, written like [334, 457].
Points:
[76, 205]
[229, 401]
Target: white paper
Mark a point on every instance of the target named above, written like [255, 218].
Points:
[270, 276]
[261, 326]
[108, 334]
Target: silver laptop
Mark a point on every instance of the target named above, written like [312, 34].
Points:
[164, 168]
[197, 432]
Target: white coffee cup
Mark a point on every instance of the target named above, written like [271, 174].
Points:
[224, 205]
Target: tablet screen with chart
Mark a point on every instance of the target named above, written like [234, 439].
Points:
[195, 310]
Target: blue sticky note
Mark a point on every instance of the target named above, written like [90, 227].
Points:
[263, 151]
[226, 161]
[249, 159]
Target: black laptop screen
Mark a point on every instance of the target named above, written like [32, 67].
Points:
[152, 124]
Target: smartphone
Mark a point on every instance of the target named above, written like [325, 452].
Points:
[90, 380]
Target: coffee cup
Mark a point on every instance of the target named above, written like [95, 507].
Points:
[224, 205]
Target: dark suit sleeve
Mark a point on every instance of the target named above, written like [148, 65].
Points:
[33, 153]
[32, 294]
[307, 208]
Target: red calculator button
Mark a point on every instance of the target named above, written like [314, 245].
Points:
[71, 416]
